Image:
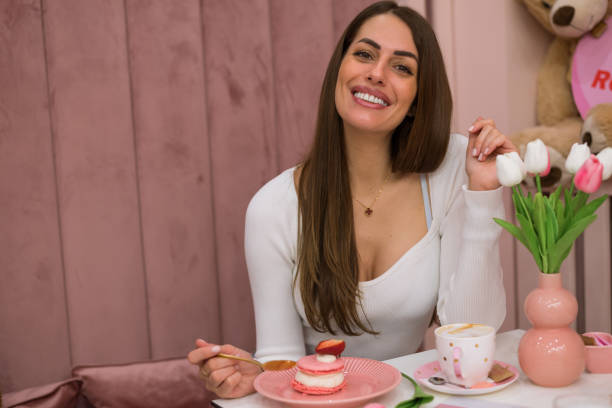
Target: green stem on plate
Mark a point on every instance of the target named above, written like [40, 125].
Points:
[418, 398]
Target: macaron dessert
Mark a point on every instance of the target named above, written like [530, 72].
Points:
[321, 373]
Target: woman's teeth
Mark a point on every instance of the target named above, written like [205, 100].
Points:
[370, 98]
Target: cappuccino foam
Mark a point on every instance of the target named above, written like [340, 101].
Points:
[465, 330]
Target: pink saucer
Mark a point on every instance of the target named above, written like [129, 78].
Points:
[365, 380]
[422, 374]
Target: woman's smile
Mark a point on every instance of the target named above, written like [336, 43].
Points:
[370, 98]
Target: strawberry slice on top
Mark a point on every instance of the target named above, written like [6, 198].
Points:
[331, 346]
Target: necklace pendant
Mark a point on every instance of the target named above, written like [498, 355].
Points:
[368, 211]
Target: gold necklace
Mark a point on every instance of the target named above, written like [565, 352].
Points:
[368, 208]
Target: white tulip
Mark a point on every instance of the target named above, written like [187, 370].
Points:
[510, 169]
[519, 162]
[536, 158]
[577, 156]
[605, 157]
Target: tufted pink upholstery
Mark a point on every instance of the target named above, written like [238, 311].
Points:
[132, 135]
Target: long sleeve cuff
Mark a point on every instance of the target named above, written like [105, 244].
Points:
[480, 209]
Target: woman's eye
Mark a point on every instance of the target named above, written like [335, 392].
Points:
[363, 54]
[403, 69]
[546, 5]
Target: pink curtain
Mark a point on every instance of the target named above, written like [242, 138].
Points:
[132, 136]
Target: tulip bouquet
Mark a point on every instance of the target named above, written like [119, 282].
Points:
[549, 225]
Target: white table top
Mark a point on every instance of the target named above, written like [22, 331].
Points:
[522, 393]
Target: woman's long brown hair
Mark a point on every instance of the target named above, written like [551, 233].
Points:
[328, 271]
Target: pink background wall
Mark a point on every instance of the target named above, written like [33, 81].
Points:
[133, 134]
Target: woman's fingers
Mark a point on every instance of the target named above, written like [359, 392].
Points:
[217, 377]
[230, 383]
[479, 124]
[486, 139]
[480, 141]
[218, 363]
[491, 141]
[476, 132]
[201, 343]
[203, 353]
[496, 143]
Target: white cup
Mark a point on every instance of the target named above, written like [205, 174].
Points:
[465, 352]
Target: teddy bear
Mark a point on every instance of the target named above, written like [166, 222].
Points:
[597, 127]
[559, 122]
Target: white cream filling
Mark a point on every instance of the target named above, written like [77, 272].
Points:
[370, 98]
[326, 358]
[325, 380]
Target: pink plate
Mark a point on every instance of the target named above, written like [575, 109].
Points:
[365, 380]
[423, 373]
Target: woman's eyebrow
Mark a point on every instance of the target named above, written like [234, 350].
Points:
[397, 52]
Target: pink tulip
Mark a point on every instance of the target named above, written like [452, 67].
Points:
[589, 176]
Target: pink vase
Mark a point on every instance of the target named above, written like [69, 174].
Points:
[551, 354]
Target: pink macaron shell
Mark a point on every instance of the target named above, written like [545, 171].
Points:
[311, 365]
[298, 386]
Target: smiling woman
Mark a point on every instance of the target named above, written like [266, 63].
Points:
[319, 265]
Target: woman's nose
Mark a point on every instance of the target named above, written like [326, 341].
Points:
[377, 74]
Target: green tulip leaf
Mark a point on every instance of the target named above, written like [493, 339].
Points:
[554, 197]
[540, 226]
[590, 208]
[518, 205]
[565, 243]
[512, 229]
[579, 201]
[552, 226]
[532, 239]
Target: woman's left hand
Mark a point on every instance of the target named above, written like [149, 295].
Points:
[485, 143]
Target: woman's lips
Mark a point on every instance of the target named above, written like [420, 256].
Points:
[370, 98]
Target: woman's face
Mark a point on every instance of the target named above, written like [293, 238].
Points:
[377, 80]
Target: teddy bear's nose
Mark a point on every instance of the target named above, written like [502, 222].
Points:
[563, 16]
[587, 138]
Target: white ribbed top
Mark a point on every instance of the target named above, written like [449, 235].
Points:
[455, 265]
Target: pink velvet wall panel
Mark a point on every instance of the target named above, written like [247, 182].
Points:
[301, 52]
[96, 175]
[33, 323]
[167, 67]
[240, 108]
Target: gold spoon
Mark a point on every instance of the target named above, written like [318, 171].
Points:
[272, 365]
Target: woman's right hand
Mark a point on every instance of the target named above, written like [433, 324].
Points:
[226, 378]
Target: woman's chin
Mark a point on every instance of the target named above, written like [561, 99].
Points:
[368, 125]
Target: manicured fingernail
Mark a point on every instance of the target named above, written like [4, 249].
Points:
[474, 152]
[480, 157]
[216, 349]
[486, 151]
[471, 129]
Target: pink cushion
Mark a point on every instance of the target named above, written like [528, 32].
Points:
[57, 395]
[168, 383]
